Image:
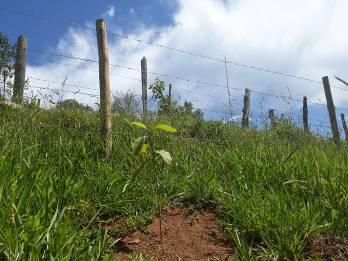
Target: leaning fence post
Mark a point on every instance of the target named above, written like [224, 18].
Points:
[332, 110]
[20, 66]
[272, 118]
[246, 109]
[305, 114]
[344, 123]
[144, 85]
[104, 81]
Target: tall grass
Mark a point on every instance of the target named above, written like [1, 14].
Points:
[273, 190]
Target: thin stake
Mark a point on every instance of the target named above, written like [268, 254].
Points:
[228, 90]
[305, 114]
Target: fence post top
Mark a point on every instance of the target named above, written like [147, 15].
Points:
[143, 59]
[100, 22]
[22, 38]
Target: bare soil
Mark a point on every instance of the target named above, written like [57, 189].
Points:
[329, 247]
[187, 235]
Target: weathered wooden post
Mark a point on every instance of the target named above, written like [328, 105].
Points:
[305, 114]
[170, 96]
[344, 123]
[246, 109]
[20, 67]
[272, 118]
[332, 110]
[104, 81]
[144, 85]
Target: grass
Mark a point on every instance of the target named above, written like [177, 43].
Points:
[274, 189]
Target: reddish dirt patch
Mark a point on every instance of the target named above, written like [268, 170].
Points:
[329, 247]
[186, 236]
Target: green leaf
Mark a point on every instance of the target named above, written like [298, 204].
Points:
[144, 148]
[166, 128]
[139, 146]
[165, 156]
[138, 124]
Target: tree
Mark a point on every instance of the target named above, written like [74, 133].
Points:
[165, 106]
[126, 103]
[188, 109]
[158, 88]
[7, 60]
[72, 104]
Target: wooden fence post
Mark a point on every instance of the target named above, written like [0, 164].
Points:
[344, 123]
[332, 110]
[272, 118]
[104, 81]
[20, 67]
[144, 85]
[246, 109]
[170, 96]
[305, 114]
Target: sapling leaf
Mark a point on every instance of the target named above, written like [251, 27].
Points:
[139, 146]
[165, 155]
[165, 127]
[144, 148]
[138, 124]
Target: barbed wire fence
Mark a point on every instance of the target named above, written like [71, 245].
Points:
[297, 107]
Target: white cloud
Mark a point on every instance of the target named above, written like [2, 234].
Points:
[110, 12]
[132, 10]
[293, 36]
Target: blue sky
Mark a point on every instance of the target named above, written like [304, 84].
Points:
[260, 33]
[128, 15]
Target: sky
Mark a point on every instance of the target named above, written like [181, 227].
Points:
[305, 38]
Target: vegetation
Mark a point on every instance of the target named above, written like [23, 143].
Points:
[167, 105]
[274, 190]
[72, 104]
[126, 103]
[7, 57]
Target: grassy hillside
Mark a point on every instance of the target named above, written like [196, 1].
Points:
[274, 190]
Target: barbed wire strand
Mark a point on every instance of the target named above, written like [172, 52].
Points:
[60, 90]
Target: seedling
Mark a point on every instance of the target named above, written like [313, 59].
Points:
[144, 145]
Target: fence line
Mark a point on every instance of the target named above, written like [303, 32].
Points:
[179, 78]
[192, 91]
[174, 77]
[211, 110]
